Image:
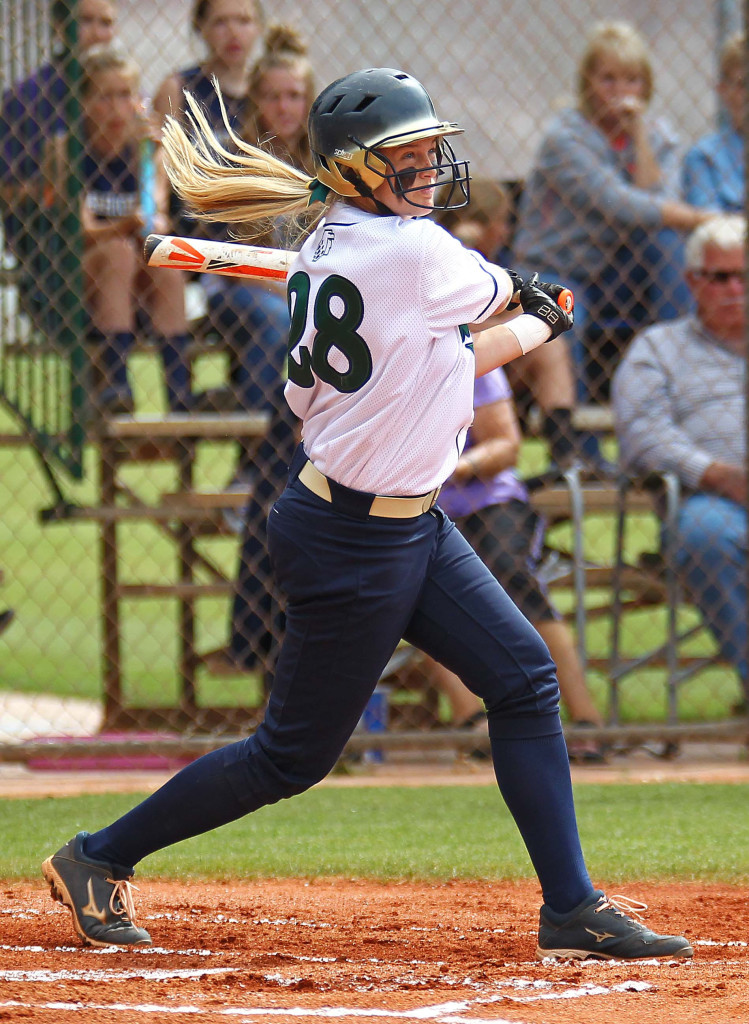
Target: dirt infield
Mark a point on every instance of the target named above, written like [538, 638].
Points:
[263, 952]
[275, 951]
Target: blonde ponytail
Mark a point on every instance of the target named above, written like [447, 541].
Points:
[242, 187]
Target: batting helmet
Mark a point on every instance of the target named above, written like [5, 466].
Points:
[353, 120]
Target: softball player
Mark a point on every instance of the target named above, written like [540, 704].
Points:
[381, 374]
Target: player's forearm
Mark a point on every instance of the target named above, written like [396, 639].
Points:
[500, 345]
[495, 320]
[495, 347]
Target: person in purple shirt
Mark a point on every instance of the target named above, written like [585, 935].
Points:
[713, 172]
[490, 505]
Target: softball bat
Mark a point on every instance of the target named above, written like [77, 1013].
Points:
[232, 259]
[235, 259]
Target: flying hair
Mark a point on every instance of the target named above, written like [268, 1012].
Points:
[243, 187]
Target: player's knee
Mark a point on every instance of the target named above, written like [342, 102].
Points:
[260, 776]
[532, 689]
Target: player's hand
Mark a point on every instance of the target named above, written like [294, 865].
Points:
[554, 290]
[517, 284]
[541, 303]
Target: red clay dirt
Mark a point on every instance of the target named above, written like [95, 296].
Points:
[271, 952]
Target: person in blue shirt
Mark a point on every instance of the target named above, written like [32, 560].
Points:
[33, 112]
[114, 197]
[714, 169]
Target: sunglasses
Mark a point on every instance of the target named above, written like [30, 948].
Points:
[721, 276]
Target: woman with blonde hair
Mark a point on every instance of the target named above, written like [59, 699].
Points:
[601, 204]
[282, 88]
[119, 195]
[381, 373]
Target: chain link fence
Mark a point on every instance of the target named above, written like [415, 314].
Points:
[143, 427]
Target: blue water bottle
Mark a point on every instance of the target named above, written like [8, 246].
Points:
[147, 176]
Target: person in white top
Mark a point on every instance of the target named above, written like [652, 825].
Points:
[381, 369]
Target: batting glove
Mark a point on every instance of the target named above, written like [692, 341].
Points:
[517, 284]
[541, 303]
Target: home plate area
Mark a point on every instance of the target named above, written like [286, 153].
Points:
[351, 950]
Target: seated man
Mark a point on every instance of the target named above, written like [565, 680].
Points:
[679, 403]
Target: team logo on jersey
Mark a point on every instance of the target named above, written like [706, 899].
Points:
[465, 336]
[325, 244]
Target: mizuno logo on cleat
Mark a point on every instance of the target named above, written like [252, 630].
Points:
[91, 909]
[600, 936]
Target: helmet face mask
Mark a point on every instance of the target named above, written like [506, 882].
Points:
[359, 116]
[453, 192]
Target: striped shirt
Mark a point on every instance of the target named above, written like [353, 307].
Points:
[679, 403]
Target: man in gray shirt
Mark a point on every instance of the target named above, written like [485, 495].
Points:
[679, 403]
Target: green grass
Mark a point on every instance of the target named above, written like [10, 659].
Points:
[430, 833]
[52, 580]
[52, 577]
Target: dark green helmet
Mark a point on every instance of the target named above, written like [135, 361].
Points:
[358, 116]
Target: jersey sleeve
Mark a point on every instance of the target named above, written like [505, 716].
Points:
[457, 285]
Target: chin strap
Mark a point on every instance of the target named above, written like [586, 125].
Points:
[366, 193]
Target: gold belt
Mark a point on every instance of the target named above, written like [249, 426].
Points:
[382, 505]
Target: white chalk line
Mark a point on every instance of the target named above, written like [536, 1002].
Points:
[444, 1013]
[42, 975]
[441, 1013]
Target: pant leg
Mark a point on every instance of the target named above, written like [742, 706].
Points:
[465, 620]
[351, 587]
[711, 552]
[255, 323]
[177, 373]
[257, 621]
[663, 260]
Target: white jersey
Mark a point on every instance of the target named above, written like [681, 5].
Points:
[380, 373]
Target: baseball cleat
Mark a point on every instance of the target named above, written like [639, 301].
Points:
[102, 906]
[599, 929]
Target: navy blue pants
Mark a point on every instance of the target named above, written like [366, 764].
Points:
[353, 589]
[354, 586]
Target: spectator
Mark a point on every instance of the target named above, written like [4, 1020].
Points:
[547, 372]
[32, 113]
[115, 280]
[253, 320]
[491, 508]
[600, 207]
[679, 399]
[714, 169]
[253, 330]
[282, 90]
